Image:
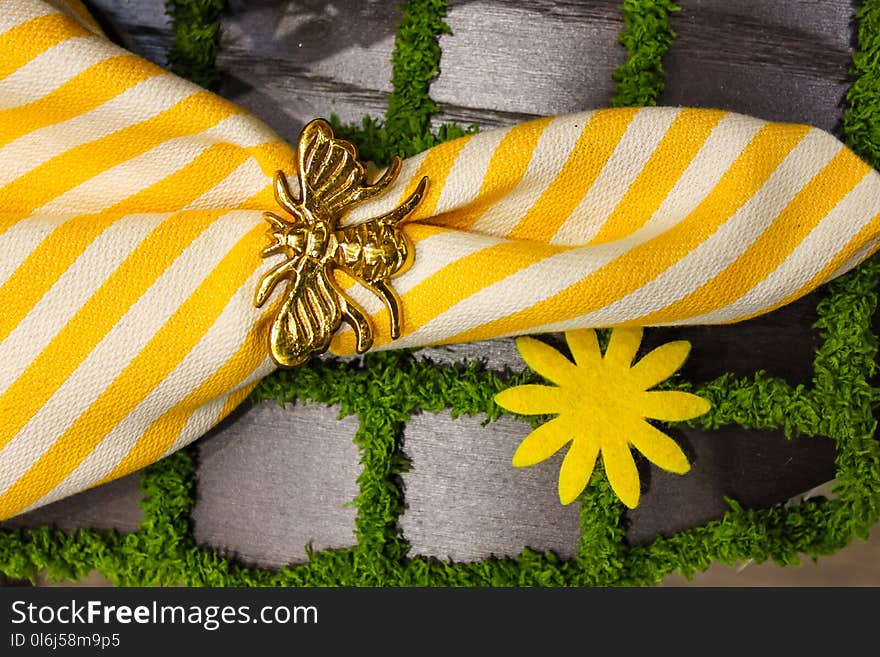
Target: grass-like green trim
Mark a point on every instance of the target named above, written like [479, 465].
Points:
[415, 62]
[647, 36]
[389, 387]
[196, 27]
[861, 122]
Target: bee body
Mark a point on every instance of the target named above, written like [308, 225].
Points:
[372, 251]
[314, 306]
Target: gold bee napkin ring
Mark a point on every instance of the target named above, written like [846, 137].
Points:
[313, 307]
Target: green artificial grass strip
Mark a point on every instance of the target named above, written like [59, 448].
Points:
[602, 543]
[415, 62]
[385, 389]
[196, 27]
[647, 36]
[861, 122]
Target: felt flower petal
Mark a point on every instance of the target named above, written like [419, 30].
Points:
[584, 346]
[543, 442]
[545, 360]
[622, 346]
[531, 400]
[621, 470]
[660, 363]
[577, 468]
[672, 406]
[601, 403]
[658, 448]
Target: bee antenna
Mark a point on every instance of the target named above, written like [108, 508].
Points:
[282, 193]
[275, 220]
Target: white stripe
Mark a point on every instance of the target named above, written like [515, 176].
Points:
[240, 185]
[726, 244]
[810, 257]
[13, 14]
[387, 201]
[551, 153]
[144, 101]
[21, 239]
[68, 294]
[639, 141]
[469, 171]
[517, 291]
[720, 150]
[65, 8]
[860, 255]
[122, 343]
[50, 69]
[555, 274]
[127, 178]
[432, 255]
[216, 347]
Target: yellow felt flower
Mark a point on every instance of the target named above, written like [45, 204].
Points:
[600, 405]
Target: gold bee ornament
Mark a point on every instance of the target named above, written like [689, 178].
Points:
[313, 307]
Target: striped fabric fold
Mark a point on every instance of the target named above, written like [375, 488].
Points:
[131, 233]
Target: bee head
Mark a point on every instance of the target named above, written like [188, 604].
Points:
[286, 237]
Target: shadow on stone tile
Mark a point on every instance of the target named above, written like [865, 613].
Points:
[759, 469]
[291, 62]
[114, 505]
[141, 27]
[773, 60]
[465, 501]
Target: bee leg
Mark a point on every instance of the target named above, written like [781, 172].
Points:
[385, 292]
[399, 213]
[283, 195]
[363, 330]
[355, 317]
[286, 269]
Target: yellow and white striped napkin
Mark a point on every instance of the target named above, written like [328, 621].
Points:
[131, 229]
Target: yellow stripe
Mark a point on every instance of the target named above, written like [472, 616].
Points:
[162, 433]
[684, 138]
[774, 245]
[237, 397]
[23, 42]
[506, 168]
[644, 262]
[70, 347]
[36, 275]
[82, 93]
[49, 180]
[161, 355]
[596, 144]
[867, 233]
[271, 156]
[436, 165]
[452, 283]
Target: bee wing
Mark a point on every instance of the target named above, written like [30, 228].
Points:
[309, 316]
[331, 177]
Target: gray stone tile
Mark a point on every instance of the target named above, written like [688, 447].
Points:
[498, 355]
[520, 59]
[115, 505]
[760, 469]
[141, 26]
[273, 480]
[784, 61]
[290, 62]
[465, 501]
